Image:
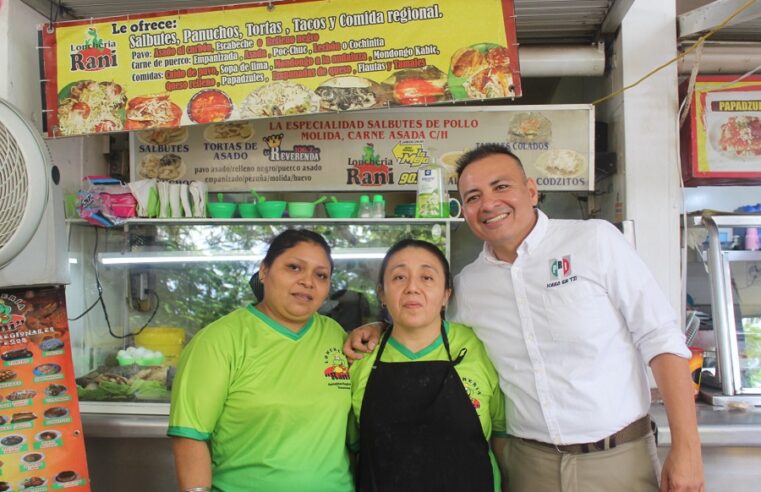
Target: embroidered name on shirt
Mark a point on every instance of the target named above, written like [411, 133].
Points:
[562, 282]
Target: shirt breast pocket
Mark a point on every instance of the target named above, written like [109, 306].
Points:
[573, 312]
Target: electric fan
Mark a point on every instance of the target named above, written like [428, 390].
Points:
[33, 249]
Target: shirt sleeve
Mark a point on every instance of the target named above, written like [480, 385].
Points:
[631, 287]
[200, 387]
[454, 310]
[498, 416]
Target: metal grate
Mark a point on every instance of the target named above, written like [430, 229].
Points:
[14, 185]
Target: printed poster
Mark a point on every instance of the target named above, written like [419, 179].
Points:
[41, 443]
[369, 150]
[725, 129]
[248, 61]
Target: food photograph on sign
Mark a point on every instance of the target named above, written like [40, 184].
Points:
[733, 131]
[239, 62]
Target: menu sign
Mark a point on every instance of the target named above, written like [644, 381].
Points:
[724, 137]
[247, 61]
[371, 149]
[41, 442]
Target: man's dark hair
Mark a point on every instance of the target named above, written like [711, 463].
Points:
[485, 151]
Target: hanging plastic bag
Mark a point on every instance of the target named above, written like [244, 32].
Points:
[105, 201]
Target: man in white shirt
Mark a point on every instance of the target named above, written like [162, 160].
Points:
[569, 314]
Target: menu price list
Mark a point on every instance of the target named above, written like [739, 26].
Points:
[41, 444]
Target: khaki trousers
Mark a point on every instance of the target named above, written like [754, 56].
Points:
[630, 467]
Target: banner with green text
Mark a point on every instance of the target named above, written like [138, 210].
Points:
[246, 61]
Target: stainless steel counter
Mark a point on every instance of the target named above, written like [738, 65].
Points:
[719, 427]
[130, 452]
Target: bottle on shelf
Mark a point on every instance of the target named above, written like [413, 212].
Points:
[379, 207]
[365, 209]
[751, 239]
[431, 192]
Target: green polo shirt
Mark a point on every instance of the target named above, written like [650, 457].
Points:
[476, 372]
[273, 404]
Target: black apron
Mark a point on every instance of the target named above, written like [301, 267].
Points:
[419, 430]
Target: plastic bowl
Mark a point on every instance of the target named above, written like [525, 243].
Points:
[151, 361]
[405, 210]
[221, 210]
[125, 361]
[271, 210]
[341, 210]
[248, 210]
[300, 210]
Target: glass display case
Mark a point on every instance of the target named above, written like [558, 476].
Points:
[735, 277]
[157, 282]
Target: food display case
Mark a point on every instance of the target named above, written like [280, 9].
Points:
[735, 278]
[149, 280]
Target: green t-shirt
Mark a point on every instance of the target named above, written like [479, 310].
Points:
[475, 370]
[273, 404]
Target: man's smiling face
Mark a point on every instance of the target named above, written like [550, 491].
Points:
[498, 202]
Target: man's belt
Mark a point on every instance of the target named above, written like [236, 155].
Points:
[636, 430]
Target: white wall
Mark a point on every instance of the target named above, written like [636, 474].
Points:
[19, 67]
[724, 198]
[643, 133]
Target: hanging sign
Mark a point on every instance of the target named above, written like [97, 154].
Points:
[722, 142]
[41, 441]
[371, 149]
[247, 61]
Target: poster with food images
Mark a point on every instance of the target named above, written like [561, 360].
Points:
[246, 61]
[367, 151]
[41, 443]
[723, 139]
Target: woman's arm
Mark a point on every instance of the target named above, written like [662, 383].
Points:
[363, 339]
[192, 461]
[498, 445]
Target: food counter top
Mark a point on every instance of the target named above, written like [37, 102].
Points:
[719, 427]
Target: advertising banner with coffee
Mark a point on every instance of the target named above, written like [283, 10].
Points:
[247, 61]
[369, 150]
[722, 142]
[41, 442]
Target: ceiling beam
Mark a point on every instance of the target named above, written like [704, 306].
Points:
[711, 15]
[43, 7]
[615, 16]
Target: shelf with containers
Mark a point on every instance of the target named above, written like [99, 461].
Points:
[735, 296]
[182, 274]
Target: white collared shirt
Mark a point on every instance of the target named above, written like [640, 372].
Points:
[569, 326]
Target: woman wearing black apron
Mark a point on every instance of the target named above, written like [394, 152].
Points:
[428, 401]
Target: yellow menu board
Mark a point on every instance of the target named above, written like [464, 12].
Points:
[248, 61]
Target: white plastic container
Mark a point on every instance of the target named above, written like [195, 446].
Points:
[431, 193]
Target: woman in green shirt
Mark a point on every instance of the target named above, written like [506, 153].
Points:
[262, 396]
[428, 400]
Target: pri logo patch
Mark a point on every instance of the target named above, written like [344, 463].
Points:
[560, 267]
